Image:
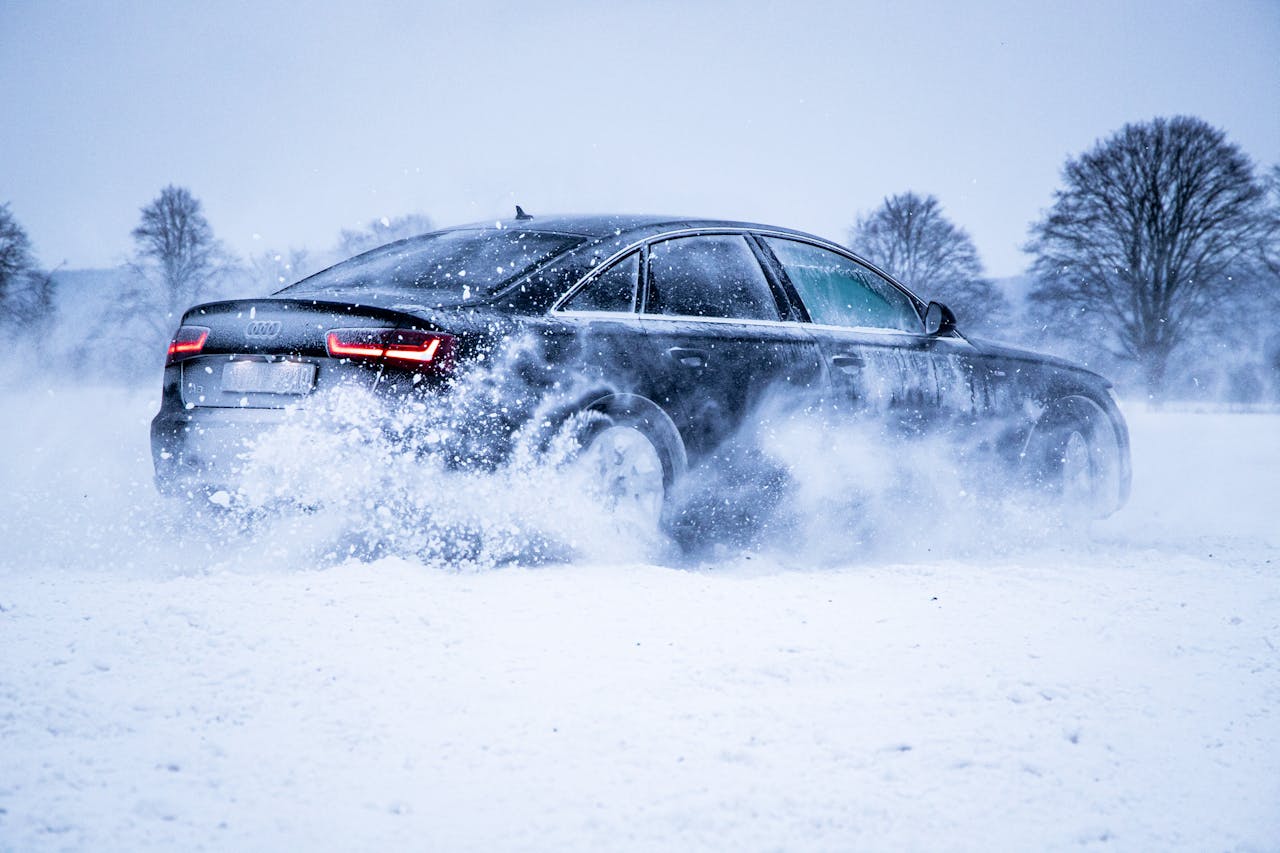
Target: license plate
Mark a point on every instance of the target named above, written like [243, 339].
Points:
[268, 377]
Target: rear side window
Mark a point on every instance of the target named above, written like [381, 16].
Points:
[613, 289]
[445, 267]
[838, 291]
[711, 276]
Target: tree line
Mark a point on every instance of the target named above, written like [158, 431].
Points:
[176, 262]
[1158, 262]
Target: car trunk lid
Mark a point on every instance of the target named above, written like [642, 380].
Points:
[269, 353]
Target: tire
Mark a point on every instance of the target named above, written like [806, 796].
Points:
[625, 472]
[631, 461]
[1073, 459]
[1077, 473]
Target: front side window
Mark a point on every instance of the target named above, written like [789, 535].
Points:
[710, 276]
[613, 289]
[838, 291]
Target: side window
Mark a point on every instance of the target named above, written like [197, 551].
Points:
[840, 292]
[712, 276]
[613, 289]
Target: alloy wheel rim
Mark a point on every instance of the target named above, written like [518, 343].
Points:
[627, 471]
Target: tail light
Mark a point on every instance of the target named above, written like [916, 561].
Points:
[187, 341]
[405, 346]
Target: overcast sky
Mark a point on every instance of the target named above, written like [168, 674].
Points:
[292, 121]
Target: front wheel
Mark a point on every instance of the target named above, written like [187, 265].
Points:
[1073, 458]
[1077, 470]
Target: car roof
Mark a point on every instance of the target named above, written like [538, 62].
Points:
[622, 225]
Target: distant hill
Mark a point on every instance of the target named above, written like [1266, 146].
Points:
[83, 340]
[1015, 287]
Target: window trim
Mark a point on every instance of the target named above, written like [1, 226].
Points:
[780, 298]
[796, 311]
[729, 321]
[558, 307]
[775, 276]
[561, 304]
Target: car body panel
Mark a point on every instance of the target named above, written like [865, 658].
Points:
[711, 374]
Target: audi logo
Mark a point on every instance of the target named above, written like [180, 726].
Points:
[262, 329]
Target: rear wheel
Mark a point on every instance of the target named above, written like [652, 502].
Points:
[631, 456]
[626, 472]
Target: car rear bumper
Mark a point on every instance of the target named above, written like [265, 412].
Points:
[204, 449]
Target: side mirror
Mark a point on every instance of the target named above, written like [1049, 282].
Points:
[938, 320]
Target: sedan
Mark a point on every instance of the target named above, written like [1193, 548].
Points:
[656, 341]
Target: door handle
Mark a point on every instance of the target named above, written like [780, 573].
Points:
[688, 357]
[848, 363]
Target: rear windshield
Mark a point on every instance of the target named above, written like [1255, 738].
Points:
[444, 268]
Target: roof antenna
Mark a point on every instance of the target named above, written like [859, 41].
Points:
[521, 216]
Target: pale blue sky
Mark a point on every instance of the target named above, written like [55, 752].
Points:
[291, 121]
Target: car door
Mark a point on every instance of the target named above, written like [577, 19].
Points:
[593, 335]
[721, 342]
[872, 337]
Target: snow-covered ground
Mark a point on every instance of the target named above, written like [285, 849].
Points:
[164, 688]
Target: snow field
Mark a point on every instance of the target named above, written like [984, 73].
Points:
[214, 691]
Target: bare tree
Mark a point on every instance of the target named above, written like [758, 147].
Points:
[15, 248]
[381, 231]
[1269, 252]
[16, 262]
[909, 237]
[174, 239]
[26, 293]
[1148, 239]
[176, 262]
[1262, 301]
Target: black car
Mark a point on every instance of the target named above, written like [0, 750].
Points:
[656, 339]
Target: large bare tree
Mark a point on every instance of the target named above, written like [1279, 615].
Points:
[15, 248]
[1150, 237]
[909, 237]
[26, 293]
[1270, 240]
[176, 249]
[176, 263]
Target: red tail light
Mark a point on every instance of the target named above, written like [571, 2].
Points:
[407, 346]
[187, 341]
